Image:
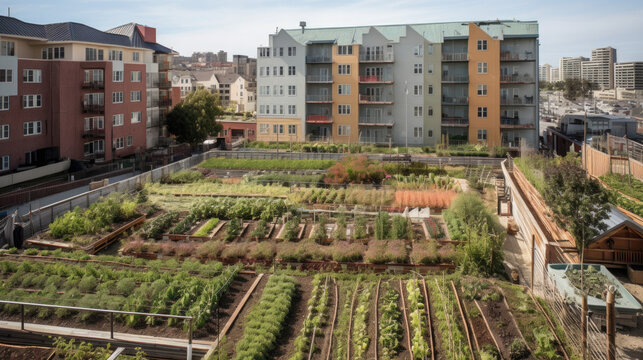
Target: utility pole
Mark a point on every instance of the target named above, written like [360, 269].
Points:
[406, 114]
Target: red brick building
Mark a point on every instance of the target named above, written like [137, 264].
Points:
[71, 91]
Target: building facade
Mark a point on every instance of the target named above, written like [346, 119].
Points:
[629, 75]
[600, 70]
[70, 91]
[570, 67]
[544, 73]
[554, 74]
[421, 84]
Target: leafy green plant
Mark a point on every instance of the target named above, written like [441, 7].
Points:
[207, 227]
[382, 225]
[417, 320]
[546, 344]
[359, 336]
[233, 229]
[260, 231]
[390, 326]
[359, 230]
[156, 227]
[518, 350]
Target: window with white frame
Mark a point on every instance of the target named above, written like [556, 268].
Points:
[31, 101]
[135, 76]
[264, 52]
[417, 68]
[6, 75]
[344, 109]
[417, 90]
[117, 97]
[261, 72]
[94, 123]
[281, 71]
[277, 129]
[418, 111]
[292, 129]
[292, 109]
[292, 51]
[135, 96]
[4, 132]
[136, 117]
[94, 147]
[118, 76]
[482, 89]
[136, 56]
[292, 70]
[344, 89]
[344, 69]
[32, 75]
[292, 90]
[267, 70]
[418, 132]
[95, 99]
[418, 50]
[5, 163]
[281, 51]
[482, 134]
[94, 76]
[482, 45]
[429, 69]
[429, 89]
[4, 103]
[430, 111]
[281, 109]
[31, 128]
[117, 120]
[116, 55]
[130, 140]
[91, 54]
[429, 49]
[119, 143]
[345, 50]
[7, 48]
[274, 70]
[482, 68]
[264, 128]
[482, 111]
[344, 130]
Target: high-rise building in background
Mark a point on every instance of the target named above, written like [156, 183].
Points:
[629, 75]
[421, 84]
[554, 74]
[570, 67]
[544, 73]
[69, 90]
[222, 56]
[600, 70]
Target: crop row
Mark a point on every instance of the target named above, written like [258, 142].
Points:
[360, 337]
[390, 326]
[315, 319]
[212, 188]
[454, 343]
[351, 195]
[417, 320]
[266, 164]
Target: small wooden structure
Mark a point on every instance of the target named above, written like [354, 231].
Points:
[620, 245]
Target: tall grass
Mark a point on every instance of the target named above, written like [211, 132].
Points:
[266, 164]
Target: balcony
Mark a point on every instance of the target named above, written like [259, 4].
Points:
[95, 155]
[92, 108]
[165, 84]
[164, 65]
[516, 79]
[516, 100]
[387, 57]
[94, 84]
[375, 99]
[375, 79]
[94, 133]
[319, 119]
[455, 57]
[374, 139]
[446, 78]
[513, 56]
[319, 98]
[455, 100]
[165, 102]
[319, 79]
[513, 145]
[513, 123]
[318, 59]
[370, 120]
[453, 121]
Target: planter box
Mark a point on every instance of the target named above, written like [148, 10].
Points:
[635, 274]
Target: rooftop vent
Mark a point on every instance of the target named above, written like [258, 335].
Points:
[303, 26]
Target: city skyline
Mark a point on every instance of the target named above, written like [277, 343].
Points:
[189, 27]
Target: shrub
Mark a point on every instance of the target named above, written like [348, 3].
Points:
[126, 286]
[382, 225]
[260, 231]
[266, 164]
[290, 229]
[359, 230]
[236, 251]
[210, 249]
[182, 177]
[425, 253]
[382, 252]
[344, 251]
[401, 228]
[263, 251]
[355, 170]
[87, 284]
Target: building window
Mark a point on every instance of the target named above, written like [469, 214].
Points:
[116, 55]
[55, 53]
[94, 147]
[430, 111]
[4, 103]
[117, 97]
[135, 76]
[482, 111]
[292, 90]
[344, 89]
[95, 99]
[482, 45]
[482, 134]
[4, 132]
[482, 68]
[429, 50]
[417, 90]
[264, 52]
[418, 132]
[31, 101]
[118, 76]
[7, 48]
[292, 109]
[119, 143]
[292, 51]
[429, 89]
[418, 111]
[291, 70]
[417, 68]
[281, 51]
[344, 109]
[130, 140]
[5, 163]
[31, 128]
[344, 130]
[281, 71]
[418, 50]
[430, 133]
[429, 69]
[92, 54]
[292, 129]
[344, 69]
[345, 50]
[6, 75]
[277, 129]
[136, 56]
[117, 120]
[135, 96]
[264, 128]
[136, 117]
[32, 76]
[482, 90]
[94, 123]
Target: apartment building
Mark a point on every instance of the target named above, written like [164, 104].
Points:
[421, 84]
[600, 70]
[570, 67]
[544, 73]
[184, 81]
[68, 90]
[629, 75]
[554, 74]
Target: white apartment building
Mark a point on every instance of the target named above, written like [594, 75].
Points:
[570, 67]
[554, 74]
[629, 75]
[600, 70]
[544, 73]
[183, 80]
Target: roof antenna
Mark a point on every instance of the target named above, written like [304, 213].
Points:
[303, 26]
[9, 11]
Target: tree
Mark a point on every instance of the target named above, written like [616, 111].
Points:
[194, 118]
[577, 88]
[579, 204]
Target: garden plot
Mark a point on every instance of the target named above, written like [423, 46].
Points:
[392, 336]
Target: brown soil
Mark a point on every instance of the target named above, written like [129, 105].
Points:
[501, 323]
[478, 326]
[295, 320]
[10, 352]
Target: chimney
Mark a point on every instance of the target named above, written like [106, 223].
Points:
[303, 26]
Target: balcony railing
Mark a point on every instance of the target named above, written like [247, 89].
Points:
[94, 133]
[319, 78]
[513, 123]
[164, 65]
[455, 57]
[455, 100]
[375, 78]
[164, 102]
[165, 84]
[517, 79]
[374, 99]
[374, 139]
[516, 100]
[377, 57]
[319, 98]
[455, 78]
[512, 56]
[92, 108]
[319, 119]
[366, 120]
[454, 121]
[94, 84]
[318, 59]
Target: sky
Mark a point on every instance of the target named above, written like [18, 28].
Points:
[567, 27]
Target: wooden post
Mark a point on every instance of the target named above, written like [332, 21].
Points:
[583, 328]
[533, 255]
[111, 325]
[610, 326]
